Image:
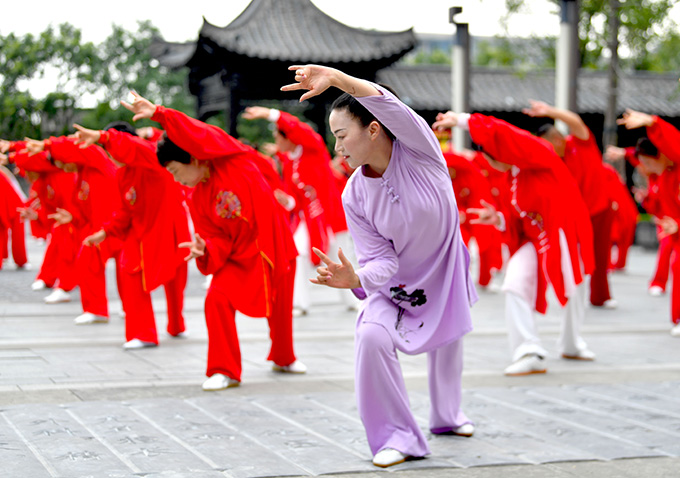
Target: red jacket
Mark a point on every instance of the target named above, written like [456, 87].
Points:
[470, 187]
[584, 160]
[544, 199]
[249, 245]
[312, 170]
[667, 138]
[151, 219]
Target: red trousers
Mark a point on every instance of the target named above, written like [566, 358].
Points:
[224, 351]
[18, 234]
[59, 262]
[599, 282]
[140, 322]
[91, 269]
[663, 261]
[489, 259]
[675, 281]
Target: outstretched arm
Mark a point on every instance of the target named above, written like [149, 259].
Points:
[573, 121]
[317, 79]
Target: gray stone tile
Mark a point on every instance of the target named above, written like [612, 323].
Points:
[556, 424]
[233, 447]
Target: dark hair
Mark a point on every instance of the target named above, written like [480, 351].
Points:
[357, 110]
[645, 147]
[167, 151]
[545, 129]
[122, 126]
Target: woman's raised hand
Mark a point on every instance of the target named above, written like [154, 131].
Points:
[141, 107]
[314, 78]
[85, 137]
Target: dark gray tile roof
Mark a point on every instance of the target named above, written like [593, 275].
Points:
[428, 87]
[172, 55]
[296, 30]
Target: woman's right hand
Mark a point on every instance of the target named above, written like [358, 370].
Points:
[314, 78]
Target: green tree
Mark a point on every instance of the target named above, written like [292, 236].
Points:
[641, 32]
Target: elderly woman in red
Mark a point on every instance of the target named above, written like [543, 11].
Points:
[548, 232]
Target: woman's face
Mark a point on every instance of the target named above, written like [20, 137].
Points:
[187, 174]
[352, 140]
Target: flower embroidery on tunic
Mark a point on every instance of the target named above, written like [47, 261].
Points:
[131, 196]
[416, 298]
[227, 205]
[84, 192]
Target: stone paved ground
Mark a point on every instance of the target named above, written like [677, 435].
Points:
[74, 404]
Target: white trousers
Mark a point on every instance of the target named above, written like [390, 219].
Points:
[304, 269]
[520, 296]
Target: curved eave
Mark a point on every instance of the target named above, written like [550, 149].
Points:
[172, 55]
[289, 39]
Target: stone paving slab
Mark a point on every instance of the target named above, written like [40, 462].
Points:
[220, 434]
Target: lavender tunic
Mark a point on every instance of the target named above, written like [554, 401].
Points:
[414, 266]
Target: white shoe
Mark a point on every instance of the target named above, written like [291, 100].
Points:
[57, 295]
[219, 382]
[25, 267]
[299, 312]
[585, 354]
[295, 367]
[137, 344]
[610, 304]
[388, 457]
[675, 331]
[527, 365]
[89, 318]
[39, 285]
[655, 291]
[466, 430]
[181, 335]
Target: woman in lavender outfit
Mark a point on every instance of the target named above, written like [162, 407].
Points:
[414, 267]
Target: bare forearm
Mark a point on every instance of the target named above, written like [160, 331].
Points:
[354, 86]
[573, 121]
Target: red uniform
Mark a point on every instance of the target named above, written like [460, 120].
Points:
[470, 187]
[666, 138]
[544, 200]
[54, 189]
[151, 222]
[249, 246]
[625, 216]
[96, 197]
[10, 220]
[584, 160]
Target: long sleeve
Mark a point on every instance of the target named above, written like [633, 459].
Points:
[131, 150]
[666, 138]
[378, 260]
[508, 144]
[201, 140]
[405, 124]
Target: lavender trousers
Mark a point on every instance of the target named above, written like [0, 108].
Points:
[382, 399]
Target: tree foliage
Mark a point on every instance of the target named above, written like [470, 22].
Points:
[50, 80]
[647, 35]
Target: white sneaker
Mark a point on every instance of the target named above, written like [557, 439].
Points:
[25, 267]
[58, 295]
[299, 312]
[610, 304]
[39, 285]
[219, 381]
[89, 318]
[137, 344]
[675, 331]
[466, 430]
[295, 367]
[181, 335]
[388, 457]
[655, 291]
[585, 354]
[527, 365]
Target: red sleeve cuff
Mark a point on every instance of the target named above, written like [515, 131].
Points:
[159, 114]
